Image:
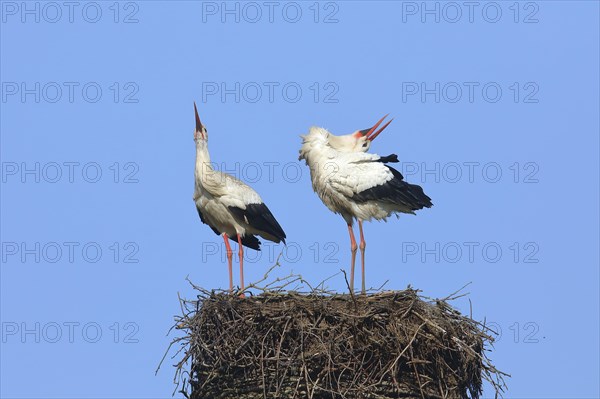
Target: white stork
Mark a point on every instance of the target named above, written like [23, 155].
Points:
[356, 184]
[230, 207]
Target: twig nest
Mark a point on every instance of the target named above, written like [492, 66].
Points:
[291, 345]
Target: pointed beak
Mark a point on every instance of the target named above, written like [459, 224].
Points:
[198, 123]
[371, 134]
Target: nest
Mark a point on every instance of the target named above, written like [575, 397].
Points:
[285, 344]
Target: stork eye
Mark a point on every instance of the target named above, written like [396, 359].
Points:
[364, 144]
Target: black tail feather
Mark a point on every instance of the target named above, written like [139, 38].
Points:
[249, 241]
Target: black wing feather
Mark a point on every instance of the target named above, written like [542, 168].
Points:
[248, 240]
[389, 158]
[260, 217]
[397, 191]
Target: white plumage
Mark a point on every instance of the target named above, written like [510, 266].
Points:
[230, 207]
[356, 184]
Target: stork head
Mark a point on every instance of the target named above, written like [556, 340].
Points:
[359, 141]
[200, 134]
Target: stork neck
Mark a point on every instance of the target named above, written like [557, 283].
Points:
[202, 159]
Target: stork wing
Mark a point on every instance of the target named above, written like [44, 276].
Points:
[244, 203]
[355, 172]
[260, 218]
[203, 220]
[248, 240]
[229, 190]
[364, 177]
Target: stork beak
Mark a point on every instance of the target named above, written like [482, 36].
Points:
[198, 123]
[371, 134]
[199, 127]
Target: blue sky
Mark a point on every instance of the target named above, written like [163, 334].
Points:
[496, 117]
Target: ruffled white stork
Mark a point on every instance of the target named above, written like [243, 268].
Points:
[230, 207]
[356, 184]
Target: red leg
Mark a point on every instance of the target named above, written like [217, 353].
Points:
[229, 261]
[241, 254]
[363, 245]
[353, 248]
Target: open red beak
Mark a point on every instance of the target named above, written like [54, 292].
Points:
[371, 134]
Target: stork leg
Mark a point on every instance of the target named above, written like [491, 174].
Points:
[363, 245]
[353, 248]
[229, 261]
[241, 254]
